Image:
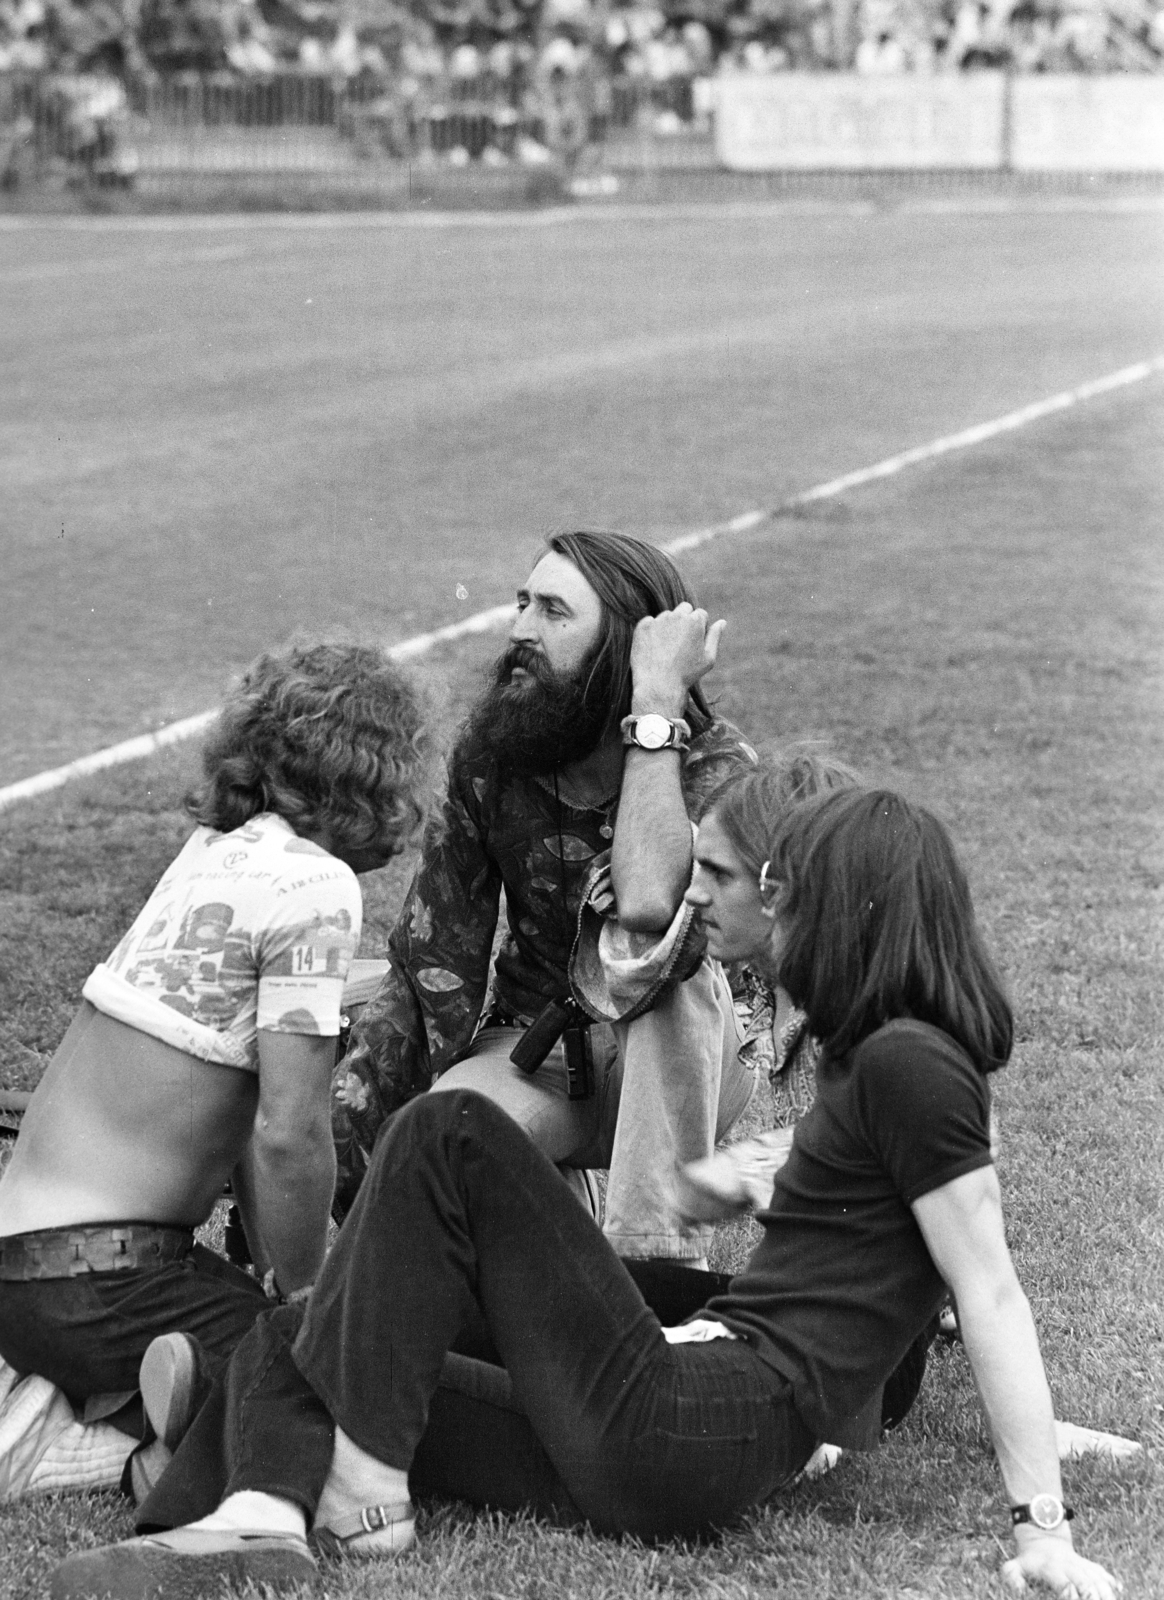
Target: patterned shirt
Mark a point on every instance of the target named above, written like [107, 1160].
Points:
[495, 833]
[246, 930]
[789, 1058]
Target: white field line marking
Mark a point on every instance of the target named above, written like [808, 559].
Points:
[128, 750]
[496, 616]
[924, 452]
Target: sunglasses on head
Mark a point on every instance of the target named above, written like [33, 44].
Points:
[769, 890]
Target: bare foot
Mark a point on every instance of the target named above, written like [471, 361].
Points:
[1075, 1442]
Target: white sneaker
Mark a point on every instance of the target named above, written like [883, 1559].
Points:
[737, 1178]
[86, 1455]
[43, 1447]
[34, 1413]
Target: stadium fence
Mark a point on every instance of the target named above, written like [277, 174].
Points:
[97, 130]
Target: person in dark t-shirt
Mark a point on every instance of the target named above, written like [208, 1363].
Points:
[862, 914]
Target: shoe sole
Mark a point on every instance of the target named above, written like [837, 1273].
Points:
[168, 1379]
[120, 1573]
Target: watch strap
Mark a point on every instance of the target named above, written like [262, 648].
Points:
[680, 732]
[1021, 1514]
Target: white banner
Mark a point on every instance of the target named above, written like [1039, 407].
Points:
[1078, 123]
[788, 121]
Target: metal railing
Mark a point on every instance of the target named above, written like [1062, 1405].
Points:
[224, 100]
[98, 130]
[103, 131]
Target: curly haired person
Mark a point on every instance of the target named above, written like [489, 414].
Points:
[202, 1051]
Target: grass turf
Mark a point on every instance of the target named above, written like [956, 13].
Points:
[218, 430]
[985, 635]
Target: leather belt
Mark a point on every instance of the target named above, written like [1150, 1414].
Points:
[72, 1252]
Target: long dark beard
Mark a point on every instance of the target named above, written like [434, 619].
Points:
[546, 721]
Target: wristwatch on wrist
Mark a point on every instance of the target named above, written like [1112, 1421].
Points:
[1045, 1512]
[655, 732]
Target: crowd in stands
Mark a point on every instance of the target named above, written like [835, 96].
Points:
[571, 69]
[507, 44]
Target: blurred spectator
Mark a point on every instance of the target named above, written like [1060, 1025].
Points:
[881, 54]
[23, 36]
[660, 48]
[249, 51]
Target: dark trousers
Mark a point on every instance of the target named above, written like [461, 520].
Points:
[88, 1334]
[461, 1225]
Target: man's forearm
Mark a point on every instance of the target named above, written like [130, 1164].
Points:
[292, 1204]
[242, 1181]
[650, 860]
[651, 856]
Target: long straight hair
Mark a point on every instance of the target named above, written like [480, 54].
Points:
[633, 580]
[879, 924]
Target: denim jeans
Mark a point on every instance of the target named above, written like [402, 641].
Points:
[668, 1086]
[460, 1222]
[88, 1334]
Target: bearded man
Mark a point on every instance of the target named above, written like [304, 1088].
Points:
[594, 737]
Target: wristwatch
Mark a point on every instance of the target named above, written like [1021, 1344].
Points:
[655, 732]
[1045, 1511]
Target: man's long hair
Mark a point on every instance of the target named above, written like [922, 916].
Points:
[633, 580]
[330, 737]
[750, 803]
[880, 925]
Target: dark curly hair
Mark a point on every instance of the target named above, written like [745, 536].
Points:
[880, 924]
[330, 737]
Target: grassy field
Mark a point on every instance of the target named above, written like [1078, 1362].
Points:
[214, 431]
[984, 633]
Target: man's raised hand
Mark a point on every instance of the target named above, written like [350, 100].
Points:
[669, 654]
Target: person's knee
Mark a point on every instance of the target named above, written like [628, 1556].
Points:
[457, 1110]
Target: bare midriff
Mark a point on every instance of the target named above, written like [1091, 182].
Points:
[125, 1128]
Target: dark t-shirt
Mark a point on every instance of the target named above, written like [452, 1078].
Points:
[842, 1282]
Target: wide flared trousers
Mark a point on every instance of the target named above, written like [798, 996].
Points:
[463, 1230]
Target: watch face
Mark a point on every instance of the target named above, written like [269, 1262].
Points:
[652, 731]
[1046, 1511]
